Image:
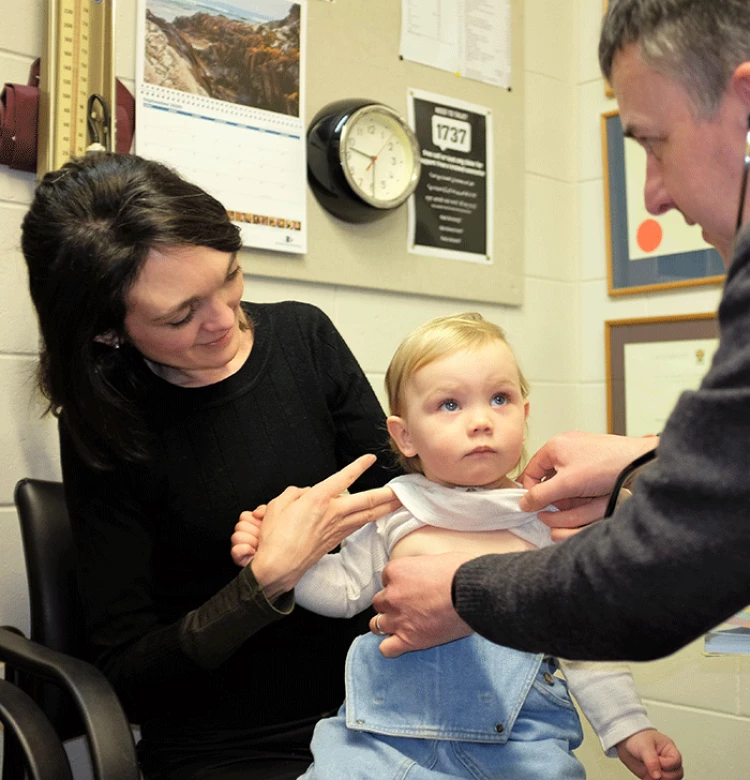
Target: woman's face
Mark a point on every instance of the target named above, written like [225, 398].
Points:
[183, 312]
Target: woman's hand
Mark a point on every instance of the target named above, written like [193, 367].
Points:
[303, 524]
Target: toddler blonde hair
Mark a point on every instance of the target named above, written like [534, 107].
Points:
[436, 339]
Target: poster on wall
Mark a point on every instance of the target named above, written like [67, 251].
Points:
[449, 213]
[470, 38]
[220, 98]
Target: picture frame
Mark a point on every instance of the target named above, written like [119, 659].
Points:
[652, 271]
[649, 362]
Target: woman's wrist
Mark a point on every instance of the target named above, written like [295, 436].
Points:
[273, 581]
[279, 603]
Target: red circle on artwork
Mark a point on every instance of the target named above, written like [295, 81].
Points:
[649, 235]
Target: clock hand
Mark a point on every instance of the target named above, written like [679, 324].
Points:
[364, 154]
[374, 159]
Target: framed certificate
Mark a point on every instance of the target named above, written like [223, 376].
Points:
[646, 252]
[650, 361]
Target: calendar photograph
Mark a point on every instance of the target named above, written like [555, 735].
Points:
[241, 53]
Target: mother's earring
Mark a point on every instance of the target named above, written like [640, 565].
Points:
[110, 339]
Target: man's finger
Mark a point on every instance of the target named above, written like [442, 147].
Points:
[538, 495]
[541, 467]
[392, 647]
[576, 513]
[561, 534]
[380, 599]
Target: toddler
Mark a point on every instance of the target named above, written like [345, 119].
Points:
[468, 708]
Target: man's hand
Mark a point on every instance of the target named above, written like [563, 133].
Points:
[576, 471]
[415, 607]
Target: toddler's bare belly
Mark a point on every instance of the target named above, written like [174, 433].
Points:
[433, 541]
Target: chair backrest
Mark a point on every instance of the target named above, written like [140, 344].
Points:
[54, 603]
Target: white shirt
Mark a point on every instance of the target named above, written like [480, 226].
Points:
[343, 584]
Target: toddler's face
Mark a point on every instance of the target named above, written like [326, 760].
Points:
[465, 417]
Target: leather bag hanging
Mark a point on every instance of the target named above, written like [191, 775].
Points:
[19, 120]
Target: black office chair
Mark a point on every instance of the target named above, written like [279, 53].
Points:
[88, 705]
[34, 735]
[74, 696]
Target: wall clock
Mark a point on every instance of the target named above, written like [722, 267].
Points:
[363, 160]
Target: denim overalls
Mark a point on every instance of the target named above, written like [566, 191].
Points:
[466, 709]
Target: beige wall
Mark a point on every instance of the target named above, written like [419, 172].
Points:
[558, 333]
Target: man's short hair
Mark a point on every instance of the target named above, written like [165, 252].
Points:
[698, 43]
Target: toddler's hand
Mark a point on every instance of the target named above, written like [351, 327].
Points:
[246, 536]
[651, 754]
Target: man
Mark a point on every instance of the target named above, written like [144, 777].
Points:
[672, 562]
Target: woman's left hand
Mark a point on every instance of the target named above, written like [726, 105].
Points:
[303, 524]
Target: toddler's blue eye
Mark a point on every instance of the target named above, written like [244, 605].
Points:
[449, 406]
[499, 399]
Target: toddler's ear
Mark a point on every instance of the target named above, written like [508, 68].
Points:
[400, 434]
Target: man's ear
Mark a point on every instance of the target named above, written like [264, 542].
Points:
[110, 338]
[400, 434]
[741, 83]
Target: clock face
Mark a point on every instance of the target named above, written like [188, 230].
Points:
[380, 156]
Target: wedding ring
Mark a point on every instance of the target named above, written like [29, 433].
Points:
[378, 630]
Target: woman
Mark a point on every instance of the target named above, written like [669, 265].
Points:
[179, 407]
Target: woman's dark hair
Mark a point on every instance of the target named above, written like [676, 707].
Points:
[89, 230]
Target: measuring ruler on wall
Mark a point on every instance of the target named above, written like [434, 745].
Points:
[78, 62]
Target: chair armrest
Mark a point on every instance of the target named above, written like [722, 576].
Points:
[110, 739]
[34, 734]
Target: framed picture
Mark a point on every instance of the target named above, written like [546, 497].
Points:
[646, 252]
[650, 361]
